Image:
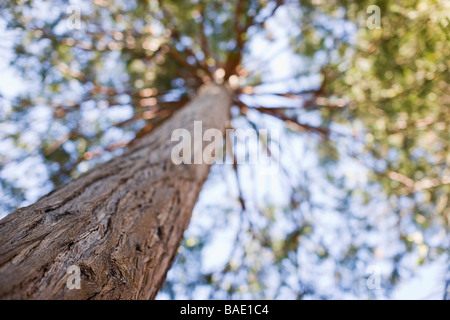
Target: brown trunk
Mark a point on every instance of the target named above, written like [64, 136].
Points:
[121, 223]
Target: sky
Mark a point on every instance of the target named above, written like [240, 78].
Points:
[427, 284]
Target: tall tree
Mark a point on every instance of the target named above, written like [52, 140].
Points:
[122, 221]
[367, 102]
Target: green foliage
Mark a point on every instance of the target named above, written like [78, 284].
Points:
[397, 82]
[380, 110]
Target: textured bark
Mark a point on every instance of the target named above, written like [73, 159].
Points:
[121, 222]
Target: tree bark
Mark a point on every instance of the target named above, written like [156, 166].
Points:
[121, 223]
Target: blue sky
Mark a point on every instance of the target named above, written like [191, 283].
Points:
[426, 284]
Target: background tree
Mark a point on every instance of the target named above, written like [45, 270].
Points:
[366, 102]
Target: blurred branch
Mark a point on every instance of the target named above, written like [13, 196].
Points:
[290, 121]
[183, 62]
[278, 3]
[235, 56]
[423, 184]
[175, 35]
[204, 43]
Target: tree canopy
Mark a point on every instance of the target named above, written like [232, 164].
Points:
[363, 113]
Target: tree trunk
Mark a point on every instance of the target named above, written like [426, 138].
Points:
[121, 223]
